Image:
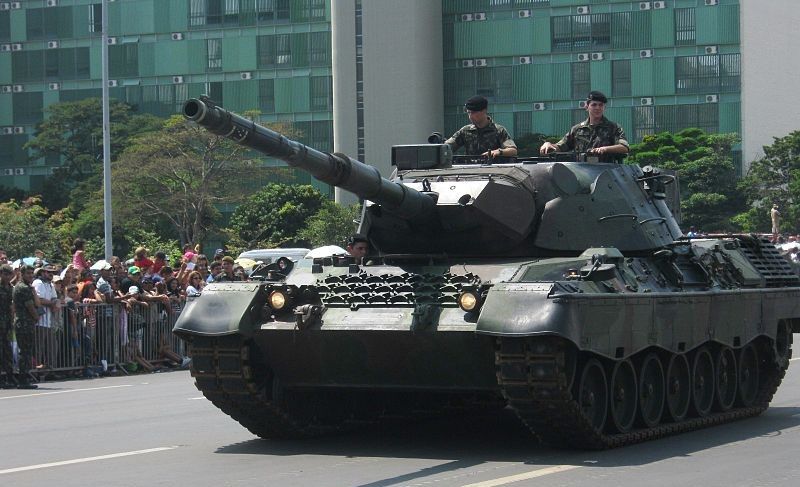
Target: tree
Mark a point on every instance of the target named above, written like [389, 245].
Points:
[28, 226]
[333, 224]
[178, 174]
[710, 197]
[528, 144]
[274, 216]
[774, 179]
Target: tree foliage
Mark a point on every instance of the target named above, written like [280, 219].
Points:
[333, 224]
[28, 226]
[274, 216]
[710, 197]
[774, 179]
[528, 144]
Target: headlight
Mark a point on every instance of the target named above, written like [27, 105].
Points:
[278, 300]
[468, 301]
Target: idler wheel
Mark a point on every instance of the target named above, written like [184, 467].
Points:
[702, 382]
[593, 394]
[651, 390]
[679, 392]
[748, 375]
[623, 396]
[725, 366]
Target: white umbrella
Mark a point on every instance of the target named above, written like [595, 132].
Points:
[100, 264]
[325, 251]
[789, 246]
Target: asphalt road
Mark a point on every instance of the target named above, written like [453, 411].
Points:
[150, 430]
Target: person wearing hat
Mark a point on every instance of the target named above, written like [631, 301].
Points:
[25, 316]
[47, 352]
[482, 136]
[596, 136]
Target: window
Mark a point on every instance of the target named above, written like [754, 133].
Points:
[523, 123]
[274, 50]
[321, 93]
[214, 55]
[320, 48]
[685, 27]
[621, 77]
[27, 107]
[266, 95]
[5, 25]
[272, 10]
[581, 32]
[581, 80]
[123, 60]
[643, 122]
[96, 18]
[707, 73]
[214, 90]
[48, 23]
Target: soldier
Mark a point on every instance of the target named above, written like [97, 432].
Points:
[483, 136]
[357, 246]
[6, 292]
[596, 135]
[775, 216]
[25, 318]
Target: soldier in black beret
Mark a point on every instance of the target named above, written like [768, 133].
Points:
[482, 136]
[596, 136]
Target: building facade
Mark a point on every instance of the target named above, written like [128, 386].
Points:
[390, 72]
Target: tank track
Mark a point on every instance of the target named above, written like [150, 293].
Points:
[534, 377]
[234, 379]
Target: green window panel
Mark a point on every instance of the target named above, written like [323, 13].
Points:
[123, 60]
[561, 81]
[195, 89]
[18, 24]
[630, 29]
[138, 17]
[662, 25]
[5, 69]
[524, 77]
[622, 116]
[664, 76]
[541, 35]
[241, 96]
[320, 48]
[308, 10]
[27, 66]
[238, 54]
[730, 117]
[642, 77]
[565, 3]
[115, 19]
[459, 6]
[172, 16]
[6, 111]
[49, 23]
[601, 76]
[562, 121]
[27, 107]
[95, 60]
[301, 94]
[523, 124]
[147, 58]
[49, 97]
[492, 39]
[300, 50]
[197, 56]
[718, 25]
[87, 20]
[283, 95]
[170, 58]
[544, 122]
[5, 25]
[321, 93]
[621, 77]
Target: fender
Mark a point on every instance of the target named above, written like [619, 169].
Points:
[222, 309]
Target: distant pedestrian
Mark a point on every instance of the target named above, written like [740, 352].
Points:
[6, 313]
[25, 318]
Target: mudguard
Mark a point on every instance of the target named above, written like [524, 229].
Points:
[225, 309]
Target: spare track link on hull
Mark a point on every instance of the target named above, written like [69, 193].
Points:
[223, 373]
[533, 375]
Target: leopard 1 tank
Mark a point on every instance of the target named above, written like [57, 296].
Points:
[563, 290]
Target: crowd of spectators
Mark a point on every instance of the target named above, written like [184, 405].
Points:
[69, 299]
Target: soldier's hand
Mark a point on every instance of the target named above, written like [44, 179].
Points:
[547, 147]
[597, 150]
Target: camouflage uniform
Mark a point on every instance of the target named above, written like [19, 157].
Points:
[23, 327]
[477, 141]
[6, 358]
[583, 137]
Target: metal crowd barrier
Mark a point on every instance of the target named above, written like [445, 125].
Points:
[92, 338]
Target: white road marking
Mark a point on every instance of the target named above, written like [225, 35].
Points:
[64, 392]
[524, 476]
[793, 359]
[87, 459]
[195, 398]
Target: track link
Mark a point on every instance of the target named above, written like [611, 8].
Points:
[534, 376]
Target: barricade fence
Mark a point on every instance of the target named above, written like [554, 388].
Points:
[94, 337]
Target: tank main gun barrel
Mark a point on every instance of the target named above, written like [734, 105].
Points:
[335, 169]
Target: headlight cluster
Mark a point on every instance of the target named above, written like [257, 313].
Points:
[470, 299]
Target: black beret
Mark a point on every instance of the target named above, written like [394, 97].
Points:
[597, 96]
[476, 103]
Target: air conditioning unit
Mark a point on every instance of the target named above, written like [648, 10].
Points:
[5, 47]
[584, 56]
[466, 17]
[646, 101]
[54, 86]
[52, 44]
[177, 79]
[8, 130]
[5, 89]
[111, 41]
[19, 171]
[582, 10]
[524, 59]
[659, 5]
[710, 49]
[481, 63]
[246, 75]
[8, 172]
[112, 83]
[644, 5]
[51, 3]
[582, 104]
[710, 2]
[4, 6]
[597, 56]
[645, 53]
[17, 89]
[16, 47]
[524, 14]
[712, 98]
[16, 5]
[479, 16]
[539, 106]
[467, 63]
[177, 36]
[19, 129]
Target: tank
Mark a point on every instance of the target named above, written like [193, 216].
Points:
[563, 290]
